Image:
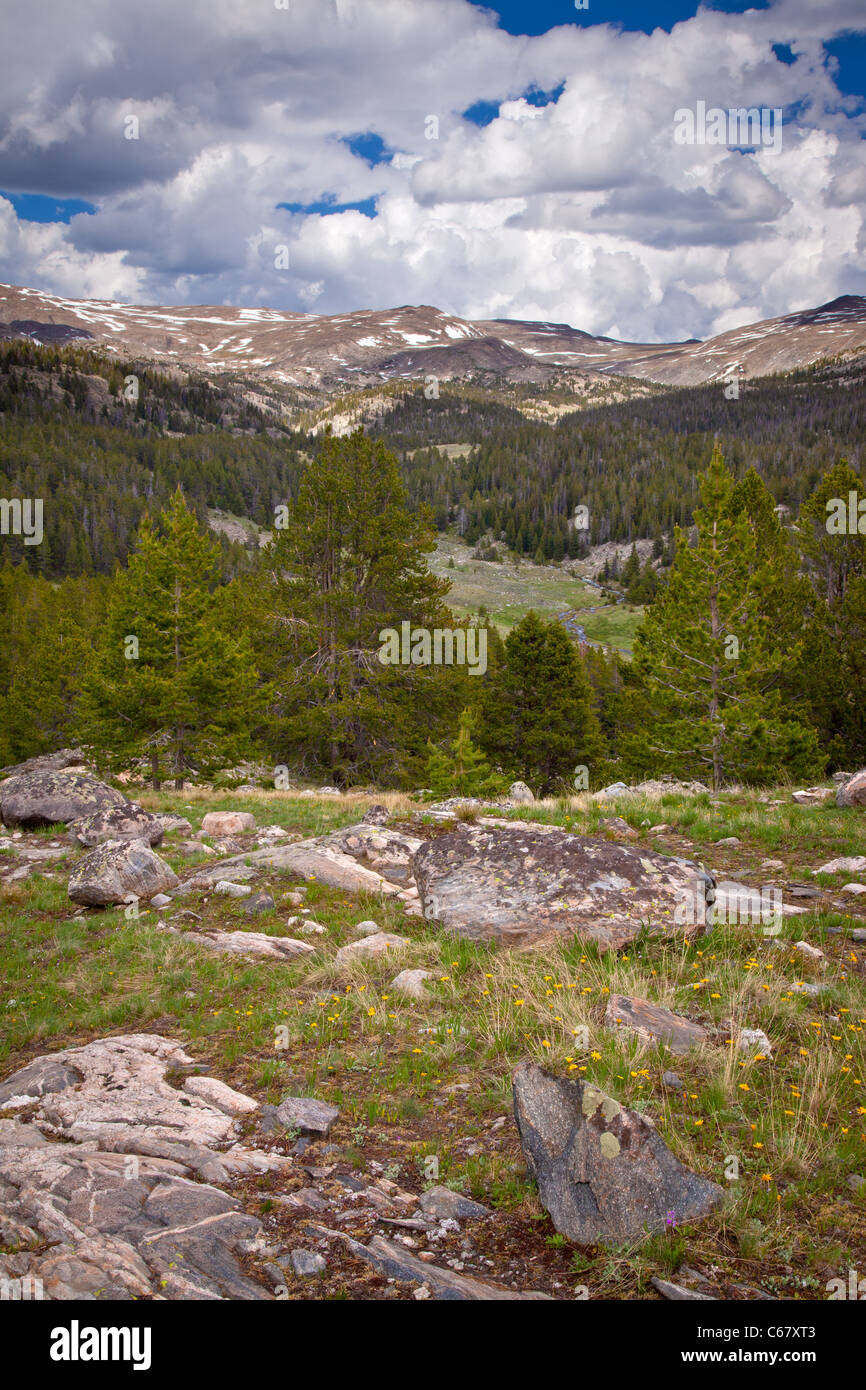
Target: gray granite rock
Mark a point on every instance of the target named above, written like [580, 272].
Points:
[603, 1172]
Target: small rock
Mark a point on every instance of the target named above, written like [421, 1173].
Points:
[520, 793]
[259, 903]
[675, 1291]
[410, 983]
[368, 928]
[754, 1037]
[858, 934]
[447, 1205]
[775, 864]
[217, 1093]
[651, 1021]
[730, 841]
[228, 823]
[307, 1264]
[855, 888]
[852, 865]
[378, 944]
[308, 1115]
[160, 900]
[672, 1081]
[232, 890]
[810, 952]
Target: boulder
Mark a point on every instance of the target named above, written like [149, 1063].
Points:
[853, 793]
[228, 823]
[118, 871]
[129, 822]
[603, 1172]
[651, 1022]
[48, 762]
[53, 797]
[511, 883]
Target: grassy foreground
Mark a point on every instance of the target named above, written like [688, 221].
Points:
[431, 1080]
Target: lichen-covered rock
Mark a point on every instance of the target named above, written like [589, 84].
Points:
[127, 822]
[52, 797]
[47, 762]
[511, 883]
[603, 1172]
[118, 871]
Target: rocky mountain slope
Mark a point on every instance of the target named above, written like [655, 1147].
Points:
[371, 346]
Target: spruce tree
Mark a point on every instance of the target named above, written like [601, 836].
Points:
[461, 768]
[700, 698]
[349, 564]
[171, 681]
[536, 717]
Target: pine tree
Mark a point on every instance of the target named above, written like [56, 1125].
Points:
[461, 769]
[349, 564]
[835, 564]
[700, 700]
[536, 717]
[171, 681]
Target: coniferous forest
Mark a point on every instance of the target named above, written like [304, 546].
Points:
[746, 665]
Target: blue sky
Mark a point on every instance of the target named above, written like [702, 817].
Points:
[501, 160]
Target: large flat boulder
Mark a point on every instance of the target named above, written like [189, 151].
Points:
[314, 860]
[603, 1172]
[511, 883]
[118, 871]
[49, 798]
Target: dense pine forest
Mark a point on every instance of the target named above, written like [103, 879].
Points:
[132, 627]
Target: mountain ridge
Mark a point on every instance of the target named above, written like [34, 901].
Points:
[370, 346]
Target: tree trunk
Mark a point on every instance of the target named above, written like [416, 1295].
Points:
[154, 770]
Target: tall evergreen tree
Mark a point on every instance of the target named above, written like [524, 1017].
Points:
[536, 717]
[701, 700]
[349, 564]
[171, 681]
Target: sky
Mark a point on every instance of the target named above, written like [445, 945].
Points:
[512, 160]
